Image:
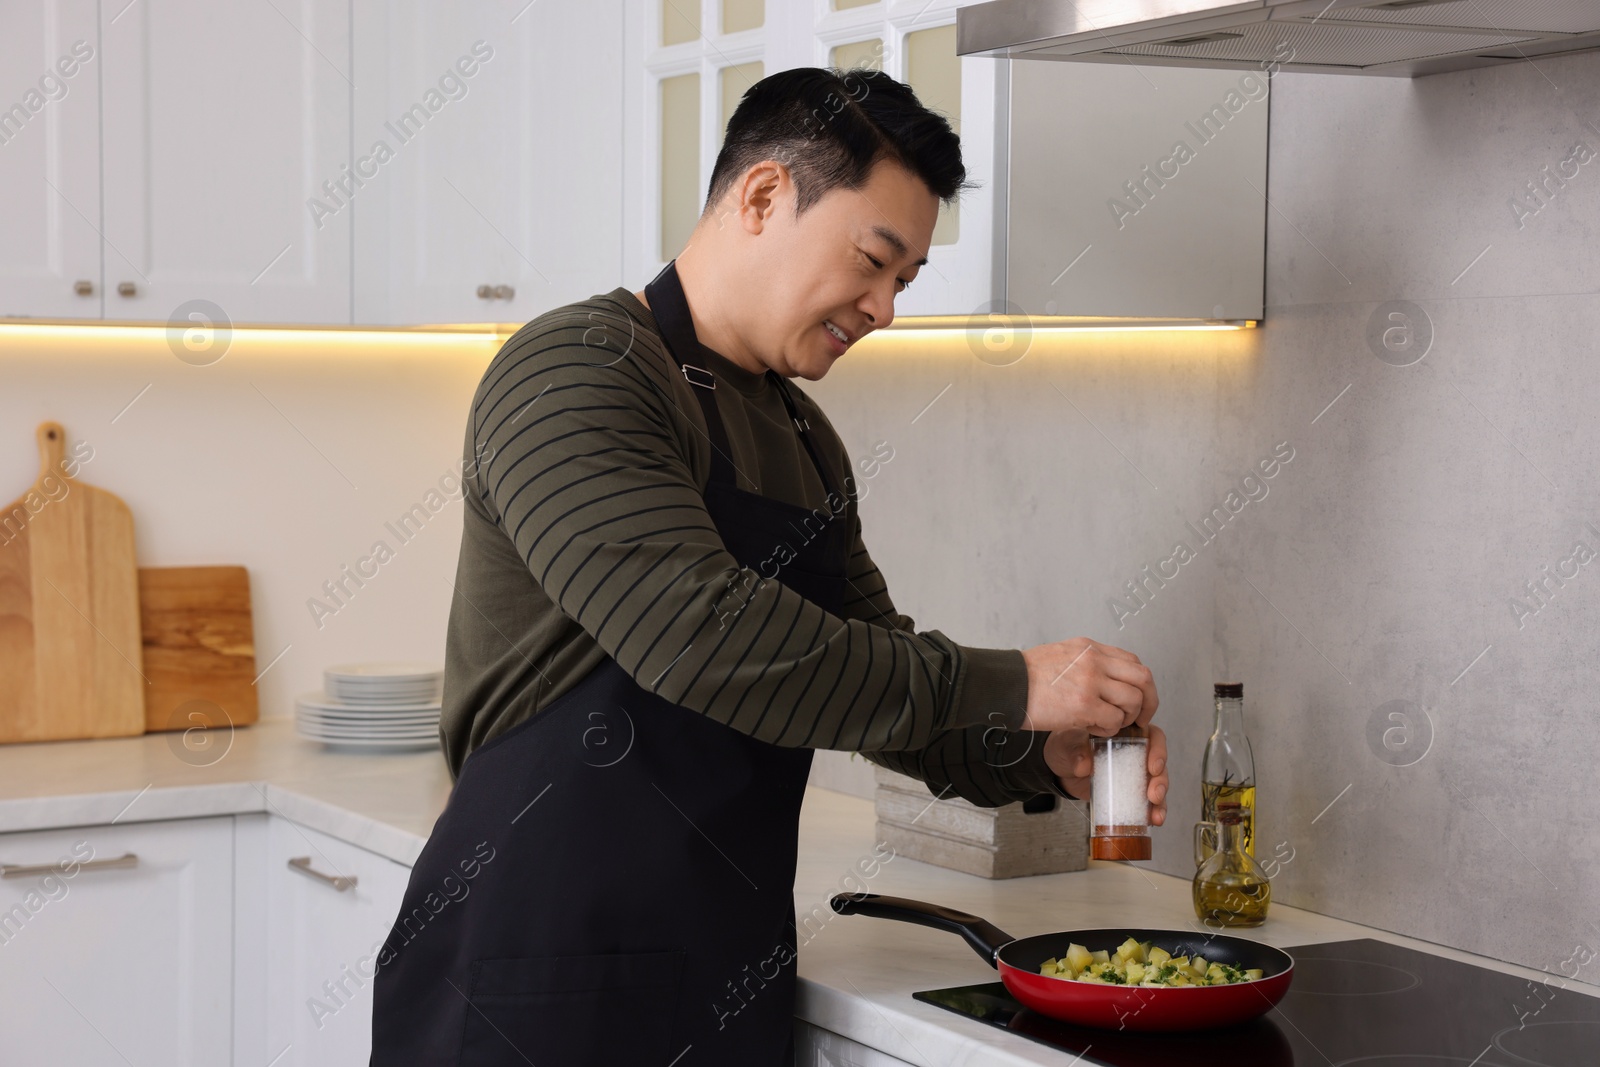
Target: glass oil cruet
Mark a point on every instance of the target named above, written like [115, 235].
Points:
[1228, 772]
[1230, 888]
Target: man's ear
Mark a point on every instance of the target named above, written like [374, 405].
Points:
[758, 196]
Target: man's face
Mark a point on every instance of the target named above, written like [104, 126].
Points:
[841, 263]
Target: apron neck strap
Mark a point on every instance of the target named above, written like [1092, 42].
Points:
[671, 311]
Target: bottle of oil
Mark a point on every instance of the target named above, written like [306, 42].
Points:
[1230, 888]
[1228, 773]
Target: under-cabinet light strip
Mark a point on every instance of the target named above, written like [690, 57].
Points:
[445, 336]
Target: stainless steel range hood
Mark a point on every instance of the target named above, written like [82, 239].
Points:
[1405, 38]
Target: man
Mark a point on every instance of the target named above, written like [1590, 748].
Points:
[663, 605]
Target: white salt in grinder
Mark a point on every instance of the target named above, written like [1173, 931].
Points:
[1120, 802]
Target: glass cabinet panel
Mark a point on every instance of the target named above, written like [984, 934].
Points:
[680, 21]
[735, 80]
[857, 54]
[933, 70]
[680, 161]
[740, 15]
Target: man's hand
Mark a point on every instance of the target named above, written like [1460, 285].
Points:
[1086, 686]
[1068, 754]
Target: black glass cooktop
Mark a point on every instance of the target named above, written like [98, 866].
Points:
[1363, 1003]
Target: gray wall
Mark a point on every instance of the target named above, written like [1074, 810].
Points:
[1382, 559]
[1419, 505]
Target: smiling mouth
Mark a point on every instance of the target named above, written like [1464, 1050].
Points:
[843, 337]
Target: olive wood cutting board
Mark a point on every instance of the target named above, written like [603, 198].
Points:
[70, 658]
[199, 647]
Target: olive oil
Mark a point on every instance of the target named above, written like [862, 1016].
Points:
[1232, 901]
[1230, 888]
[1214, 794]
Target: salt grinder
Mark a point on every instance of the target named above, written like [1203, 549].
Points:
[1120, 802]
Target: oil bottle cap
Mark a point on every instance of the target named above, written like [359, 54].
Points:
[1228, 689]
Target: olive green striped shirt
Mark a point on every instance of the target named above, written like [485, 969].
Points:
[586, 536]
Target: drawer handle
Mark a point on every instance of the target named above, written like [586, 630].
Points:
[338, 881]
[31, 870]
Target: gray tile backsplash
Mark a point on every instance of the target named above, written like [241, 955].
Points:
[1378, 574]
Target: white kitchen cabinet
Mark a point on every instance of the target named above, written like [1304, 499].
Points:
[50, 160]
[816, 1047]
[488, 145]
[221, 124]
[116, 944]
[305, 978]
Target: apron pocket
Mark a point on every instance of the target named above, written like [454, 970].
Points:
[572, 1011]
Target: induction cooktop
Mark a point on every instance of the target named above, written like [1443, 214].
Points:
[1363, 1002]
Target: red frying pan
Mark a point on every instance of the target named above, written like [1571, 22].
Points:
[1109, 1007]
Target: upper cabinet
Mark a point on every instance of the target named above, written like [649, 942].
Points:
[223, 126]
[1134, 192]
[487, 159]
[50, 160]
[322, 163]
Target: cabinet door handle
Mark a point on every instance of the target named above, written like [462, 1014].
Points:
[31, 870]
[83, 287]
[504, 292]
[127, 289]
[485, 292]
[338, 881]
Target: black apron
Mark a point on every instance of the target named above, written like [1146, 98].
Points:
[612, 881]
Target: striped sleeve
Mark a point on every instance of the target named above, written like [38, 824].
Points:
[986, 766]
[590, 458]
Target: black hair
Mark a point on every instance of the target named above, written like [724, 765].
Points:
[830, 127]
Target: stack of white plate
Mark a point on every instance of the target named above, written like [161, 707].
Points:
[373, 705]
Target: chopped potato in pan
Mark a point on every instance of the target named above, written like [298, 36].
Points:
[1142, 964]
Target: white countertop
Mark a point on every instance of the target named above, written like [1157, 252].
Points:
[857, 973]
[386, 802]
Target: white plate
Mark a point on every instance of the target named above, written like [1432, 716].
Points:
[320, 731]
[346, 691]
[368, 720]
[334, 718]
[411, 694]
[362, 711]
[367, 724]
[357, 746]
[409, 700]
[322, 702]
[373, 728]
[384, 687]
[362, 671]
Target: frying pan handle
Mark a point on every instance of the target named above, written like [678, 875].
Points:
[985, 938]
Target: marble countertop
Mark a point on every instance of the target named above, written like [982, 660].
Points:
[857, 974]
[385, 801]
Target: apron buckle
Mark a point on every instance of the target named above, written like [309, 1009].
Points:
[708, 382]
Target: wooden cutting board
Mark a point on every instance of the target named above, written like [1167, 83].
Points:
[70, 661]
[199, 647]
